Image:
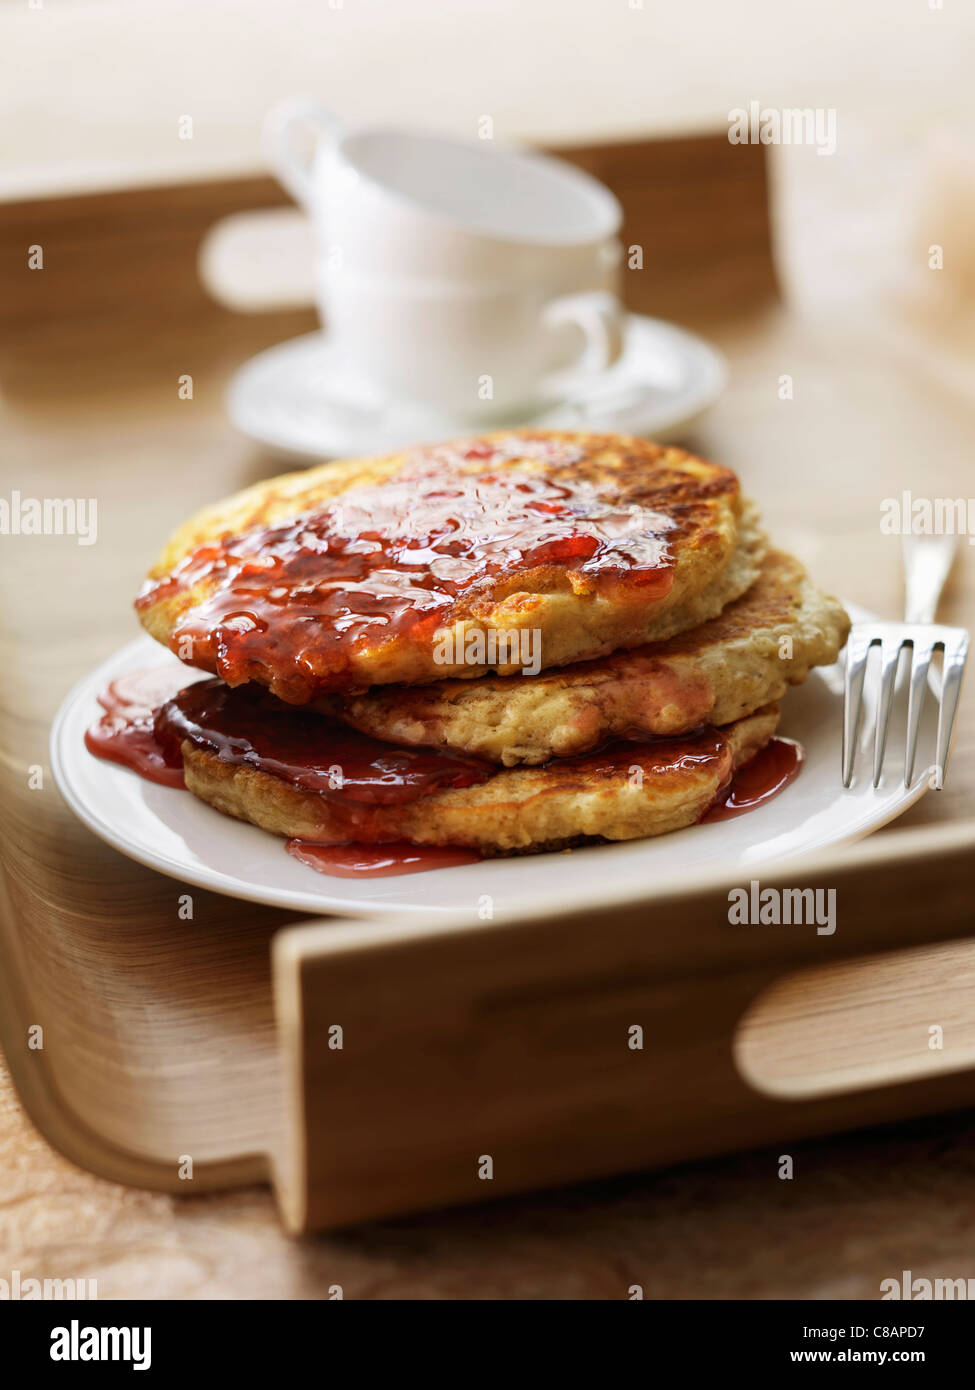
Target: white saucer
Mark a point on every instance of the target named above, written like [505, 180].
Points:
[294, 398]
[173, 832]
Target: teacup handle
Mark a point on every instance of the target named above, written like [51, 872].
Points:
[600, 315]
[288, 148]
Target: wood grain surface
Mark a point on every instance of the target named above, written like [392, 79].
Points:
[92, 349]
[858, 1210]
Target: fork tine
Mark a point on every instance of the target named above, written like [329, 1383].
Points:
[890, 655]
[857, 650]
[920, 663]
[956, 652]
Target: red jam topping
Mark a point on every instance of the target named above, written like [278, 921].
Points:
[297, 599]
[704, 750]
[308, 750]
[143, 727]
[125, 732]
[760, 779]
[377, 861]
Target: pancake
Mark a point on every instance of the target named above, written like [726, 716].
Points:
[259, 765]
[747, 657]
[353, 574]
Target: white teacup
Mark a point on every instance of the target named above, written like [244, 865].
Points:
[450, 272]
[478, 352]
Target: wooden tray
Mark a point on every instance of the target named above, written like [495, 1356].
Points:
[173, 1046]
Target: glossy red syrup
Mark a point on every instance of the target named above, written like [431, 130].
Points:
[248, 725]
[144, 725]
[125, 733]
[297, 599]
[760, 779]
[703, 750]
[378, 861]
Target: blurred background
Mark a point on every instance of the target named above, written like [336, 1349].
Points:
[91, 93]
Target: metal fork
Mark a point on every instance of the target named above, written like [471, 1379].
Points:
[927, 560]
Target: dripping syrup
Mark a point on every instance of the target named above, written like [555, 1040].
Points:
[309, 751]
[756, 782]
[125, 733]
[378, 861]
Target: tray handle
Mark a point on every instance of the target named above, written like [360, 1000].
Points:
[453, 1062]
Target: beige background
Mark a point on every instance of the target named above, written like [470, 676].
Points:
[91, 93]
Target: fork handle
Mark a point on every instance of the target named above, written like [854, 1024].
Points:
[927, 562]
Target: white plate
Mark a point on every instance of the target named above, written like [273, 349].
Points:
[172, 831]
[294, 398]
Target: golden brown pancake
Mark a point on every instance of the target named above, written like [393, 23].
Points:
[746, 657]
[350, 575]
[625, 791]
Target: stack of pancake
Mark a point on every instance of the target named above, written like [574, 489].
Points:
[536, 638]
